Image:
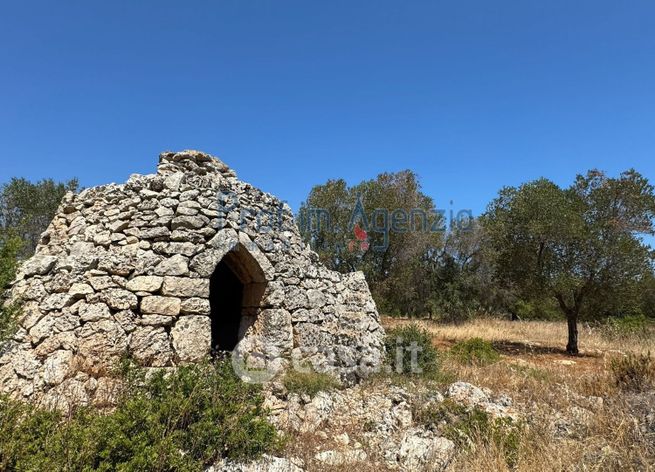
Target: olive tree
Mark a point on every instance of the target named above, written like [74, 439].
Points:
[578, 245]
[386, 227]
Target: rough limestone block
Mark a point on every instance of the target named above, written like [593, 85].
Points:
[192, 338]
[185, 287]
[145, 283]
[195, 306]
[175, 265]
[155, 305]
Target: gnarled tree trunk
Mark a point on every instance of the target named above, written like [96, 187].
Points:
[572, 322]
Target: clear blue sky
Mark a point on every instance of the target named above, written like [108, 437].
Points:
[472, 95]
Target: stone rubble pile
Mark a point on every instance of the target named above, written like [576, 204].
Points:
[377, 425]
[388, 434]
[381, 418]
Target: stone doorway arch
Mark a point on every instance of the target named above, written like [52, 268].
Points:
[236, 290]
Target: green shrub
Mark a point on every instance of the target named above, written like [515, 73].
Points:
[183, 421]
[634, 372]
[410, 351]
[478, 425]
[475, 351]
[451, 306]
[626, 326]
[538, 309]
[309, 383]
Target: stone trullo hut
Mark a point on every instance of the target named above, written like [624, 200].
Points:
[168, 267]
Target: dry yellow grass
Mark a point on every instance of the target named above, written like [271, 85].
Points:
[542, 379]
[550, 334]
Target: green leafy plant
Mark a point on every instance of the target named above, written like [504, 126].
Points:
[10, 245]
[177, 421]
[581, 245]
[475, 351]
[27, 208]
[627, 326]
[410, 351]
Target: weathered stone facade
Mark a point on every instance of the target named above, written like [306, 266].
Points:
[128, 269]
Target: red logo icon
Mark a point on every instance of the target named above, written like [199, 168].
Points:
[361, 240]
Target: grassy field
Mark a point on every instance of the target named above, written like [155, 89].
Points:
[527, 334]
[613, 427]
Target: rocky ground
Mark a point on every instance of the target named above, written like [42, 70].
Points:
[370, 426]
[378, 426]
[534, 409]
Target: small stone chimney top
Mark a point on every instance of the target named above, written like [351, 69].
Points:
[191, 161]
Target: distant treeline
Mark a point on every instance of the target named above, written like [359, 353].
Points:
[539, 250]
[26, 210]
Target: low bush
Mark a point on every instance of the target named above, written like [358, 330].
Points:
[309, 383]
[475, 351]
[539, 309]
[634, 372]
[410, 351]
[180, 421]
[452, 305]
[626, 327]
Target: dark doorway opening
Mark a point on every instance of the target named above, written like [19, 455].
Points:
[236, 290]
[225, 298]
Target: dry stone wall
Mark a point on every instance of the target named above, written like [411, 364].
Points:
[127, 270]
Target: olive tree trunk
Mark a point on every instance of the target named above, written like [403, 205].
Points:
[571, 313]
[572, 322]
